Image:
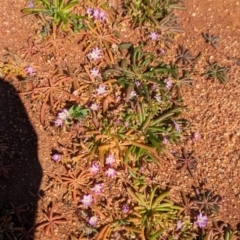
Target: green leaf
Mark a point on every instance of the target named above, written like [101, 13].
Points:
[70, 6]
[33, 10]
[160, 198]
[138, 198]
[77, 112]
[156, 234]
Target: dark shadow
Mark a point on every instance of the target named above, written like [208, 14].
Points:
[20, 171]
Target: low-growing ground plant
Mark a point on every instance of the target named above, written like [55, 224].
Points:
[150, 12]
[211, 39]
[214, 71]
[122, 107]
[59, 12]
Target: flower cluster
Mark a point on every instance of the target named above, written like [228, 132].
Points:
[96, 14]
[63, 116]
[110, 172]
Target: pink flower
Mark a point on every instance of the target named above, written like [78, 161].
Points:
[196, 136]
[163, 51]
[103, 16]
[64, 115]
[59, 122]
[94, 107]
[87, 200]
[132, 94]
[137, 83]
[177, 126]
[153, 36]
[168, 83]
[158, 98]
[201, 220]
[29, 70]
[94, 54]
[165, 140]
[56, 157]
[125, 208]
[31, 4]
[101, 90]
[94, 73]
[97, 188]
[96, 14]
[93, 220]
[110, 159]
[89, 11]
[154, 87]
[111, 172]
[179, 224]
[94, 168]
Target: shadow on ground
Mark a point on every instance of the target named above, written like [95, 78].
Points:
[20, 171]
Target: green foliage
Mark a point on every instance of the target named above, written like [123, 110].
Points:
[154, 214]
[77, 112]
[219, 231]
[140, 66]
[58, 10]
[214, 71]
[145, 12]
[149, 106]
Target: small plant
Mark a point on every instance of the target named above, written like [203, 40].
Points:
[188, 205]
[52, 221]
[154, 213]
[75, 182]
[150, 12]
[50, 93]
[184, 56]
[58, 10]
[206, 202]
[77, 112]
[211, 39]
[213, 70]
[186, 161]
[98, 34]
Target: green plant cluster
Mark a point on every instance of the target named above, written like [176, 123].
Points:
[59, 12]
[130, 110]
